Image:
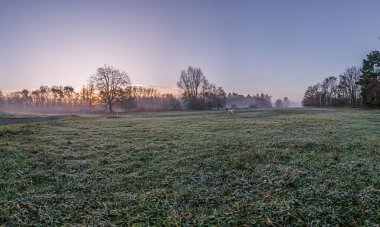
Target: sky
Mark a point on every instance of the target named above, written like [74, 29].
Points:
[276, 47]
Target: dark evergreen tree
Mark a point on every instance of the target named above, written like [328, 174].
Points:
[370, 80]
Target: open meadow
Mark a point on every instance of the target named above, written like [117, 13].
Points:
[270, 167]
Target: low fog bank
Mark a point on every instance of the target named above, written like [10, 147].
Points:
[235, 100]
[140, 105]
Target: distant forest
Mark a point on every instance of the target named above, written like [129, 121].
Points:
[354, 88]
[66, 99]
[110, 90]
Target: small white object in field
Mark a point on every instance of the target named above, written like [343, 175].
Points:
[230, 111]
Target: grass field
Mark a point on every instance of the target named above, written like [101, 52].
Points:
[271, 167]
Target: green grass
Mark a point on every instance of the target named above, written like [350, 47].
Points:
[12, 115]
[273, 167]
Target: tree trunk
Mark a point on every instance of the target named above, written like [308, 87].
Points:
[110, 107]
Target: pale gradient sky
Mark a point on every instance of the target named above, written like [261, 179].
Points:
[277, 47]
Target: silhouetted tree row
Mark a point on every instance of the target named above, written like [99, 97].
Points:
[342, 91]
[256, 101]
[66, 99]
[45, 97]
[111, 89]
[137, 98]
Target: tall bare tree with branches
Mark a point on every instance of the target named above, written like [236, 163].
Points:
[190, 83]
[348, 83]
[110, 84]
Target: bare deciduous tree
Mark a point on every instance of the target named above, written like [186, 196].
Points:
[110, 83]
[329, 86]
[190, 83]
[348, 83]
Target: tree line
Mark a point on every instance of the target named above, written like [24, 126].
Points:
[198, 93]
[255, 101]
[111, 90]
[355, 87]
[66, 99]
[341, 91]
